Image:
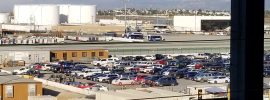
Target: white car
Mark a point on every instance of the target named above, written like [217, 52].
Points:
[225, 56]
[92, 69]
[219, 79]
[22, 70]
[191, 66]
[123, 81]
[149, 57]
[148, 69]
[46, 67]
[105, 62]
[157, 65]
[103, 78]
[86, 73]
[201, 56]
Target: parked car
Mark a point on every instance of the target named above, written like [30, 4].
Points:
[86, 73]
[151, 80]
[180, 73]
[105, 62]
[203, 77]
[123, 81]
[22, 70]
[105, 77]
[219, 79]
[46, 67]
[94, 76]
[110, 79]
[170, 72]
[150, 57]
[100, 87]
[139, 79]
[164, 81]
[190, 75]
[128, 74]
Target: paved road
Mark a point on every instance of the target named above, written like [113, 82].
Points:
[187, 44]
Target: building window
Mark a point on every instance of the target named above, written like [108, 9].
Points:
[74, 54]
[9, 91]
[32, 89]
[93, 54]
[84, 54]
[101, 53]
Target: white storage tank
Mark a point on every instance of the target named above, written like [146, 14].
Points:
[82, 14]
[36, 14]
[47, 15]
[4, 18]
[22, 14]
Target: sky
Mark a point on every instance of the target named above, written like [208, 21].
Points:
[7, 5]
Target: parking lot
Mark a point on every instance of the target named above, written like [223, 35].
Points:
[178, 67]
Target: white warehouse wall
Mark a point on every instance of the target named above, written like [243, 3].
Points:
[193, 23]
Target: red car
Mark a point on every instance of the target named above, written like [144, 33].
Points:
[37, 67]
[139, 79]
[85, 86]
[162, 62]
[198, 66]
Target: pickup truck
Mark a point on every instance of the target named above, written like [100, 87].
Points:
[105, 62]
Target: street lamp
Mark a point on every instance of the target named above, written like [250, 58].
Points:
[125, 5]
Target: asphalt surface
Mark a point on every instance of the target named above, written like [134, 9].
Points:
[175, 44]
[183, 83]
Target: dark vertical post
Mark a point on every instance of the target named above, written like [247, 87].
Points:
[247, 47]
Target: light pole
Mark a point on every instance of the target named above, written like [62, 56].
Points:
[125, 5]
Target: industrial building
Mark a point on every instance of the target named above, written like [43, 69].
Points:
[78, 55]
[13, 58]
[195, 23]
[27, 56]
[4, 18]
[17, 88]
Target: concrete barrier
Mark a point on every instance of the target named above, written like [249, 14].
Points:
[65, 87]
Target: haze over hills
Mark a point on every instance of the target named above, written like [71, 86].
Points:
[7, 5]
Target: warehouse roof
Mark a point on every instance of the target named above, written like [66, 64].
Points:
[10, 79]
[144, 93]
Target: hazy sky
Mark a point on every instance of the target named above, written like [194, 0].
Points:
[7, 5]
